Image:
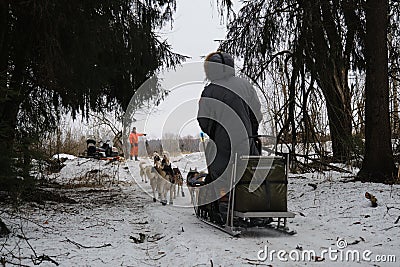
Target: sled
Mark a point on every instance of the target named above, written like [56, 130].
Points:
[104, 152]
[262, 207]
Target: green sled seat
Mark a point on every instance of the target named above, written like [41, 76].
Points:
[263, 186]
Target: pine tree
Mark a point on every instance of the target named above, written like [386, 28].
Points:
[80, 55]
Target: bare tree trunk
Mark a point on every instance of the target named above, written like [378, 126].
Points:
[13, 91]
[330, 70]
[395, 117]
[4, 45]
[378, 164]
[340, 121]
[4, 231]
[8, 123]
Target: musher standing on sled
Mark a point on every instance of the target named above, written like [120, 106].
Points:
[134, 140]
[229, 113]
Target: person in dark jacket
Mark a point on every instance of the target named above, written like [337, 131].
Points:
[229, 113]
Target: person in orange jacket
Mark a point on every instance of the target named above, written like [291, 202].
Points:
[134, 139]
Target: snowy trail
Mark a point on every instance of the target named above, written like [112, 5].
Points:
[119, 224]
[332, 212]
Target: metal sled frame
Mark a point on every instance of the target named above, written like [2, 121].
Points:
[229, 227]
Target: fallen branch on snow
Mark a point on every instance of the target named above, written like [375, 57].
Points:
[319, 162]
[83, 246]
[390, 227]
[255, 262]
[38, 260]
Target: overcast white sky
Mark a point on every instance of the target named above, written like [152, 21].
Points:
[196, 27]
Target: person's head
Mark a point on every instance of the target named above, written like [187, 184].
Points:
[134, 130]
[219, 65]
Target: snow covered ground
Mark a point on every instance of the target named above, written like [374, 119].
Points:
[115, 223]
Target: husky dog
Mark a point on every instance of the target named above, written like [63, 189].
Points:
[163, 185]
[142, 167]
[158, 177]
[168, 174]
[153, 177]
[156, 159]
[177, 181]
[191, 174]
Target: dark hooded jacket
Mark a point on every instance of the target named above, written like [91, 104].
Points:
[229, 112]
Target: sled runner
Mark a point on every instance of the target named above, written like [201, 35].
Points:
[258, 198]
